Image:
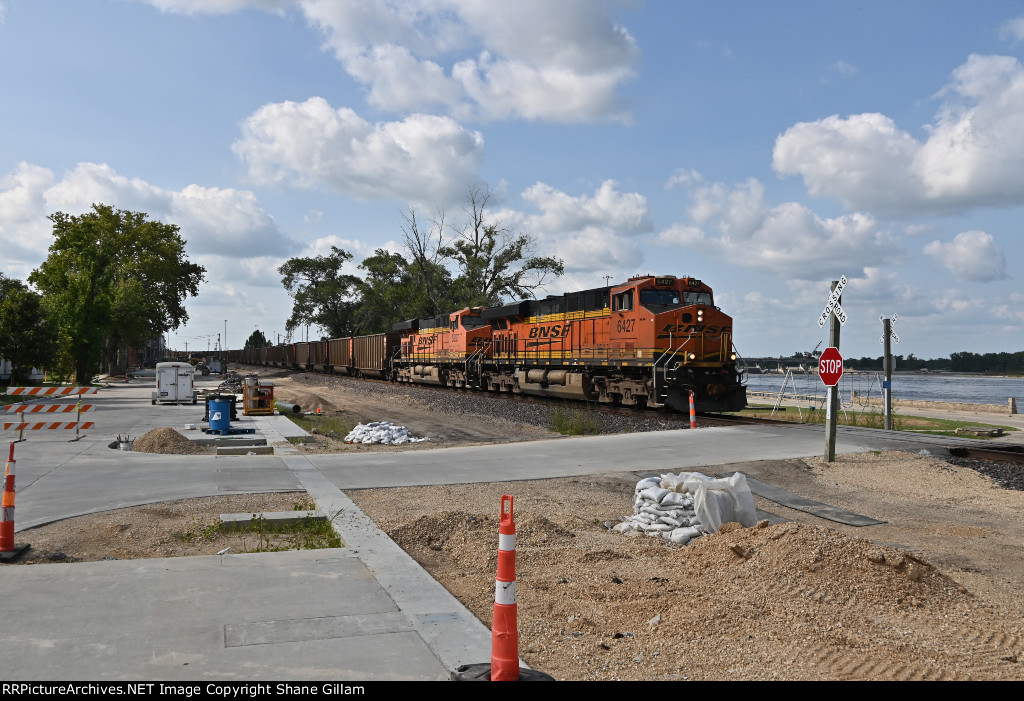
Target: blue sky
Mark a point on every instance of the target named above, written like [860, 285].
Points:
[766, 148]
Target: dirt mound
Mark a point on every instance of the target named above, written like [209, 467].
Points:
[789, 601]
[309, 401]
[823, 564]
[167, 441]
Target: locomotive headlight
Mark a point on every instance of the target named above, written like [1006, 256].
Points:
[692, 356]
[700, 315]
[732, 356]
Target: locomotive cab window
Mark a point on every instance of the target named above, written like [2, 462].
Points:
[659, 298]
[697, 298]
[623, 302]
[472, 321]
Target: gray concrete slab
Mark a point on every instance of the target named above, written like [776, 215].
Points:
[300, 615]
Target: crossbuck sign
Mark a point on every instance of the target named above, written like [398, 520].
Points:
[833, 306]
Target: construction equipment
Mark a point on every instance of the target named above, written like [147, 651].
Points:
[257, 397]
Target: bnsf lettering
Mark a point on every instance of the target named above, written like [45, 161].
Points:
[693, 328]
[556, 331]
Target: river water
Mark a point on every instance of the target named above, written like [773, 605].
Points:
[933, 387]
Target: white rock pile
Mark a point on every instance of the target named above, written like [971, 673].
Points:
[381, 432]
[684, 506]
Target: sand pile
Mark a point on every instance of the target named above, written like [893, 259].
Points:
[309, 401]
[167, 441]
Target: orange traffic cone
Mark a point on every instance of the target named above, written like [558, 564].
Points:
[8, 549]
[504, 664]
[505, 631]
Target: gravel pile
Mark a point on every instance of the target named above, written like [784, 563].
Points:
[453, 402]
[167, 441]
[1007, 475]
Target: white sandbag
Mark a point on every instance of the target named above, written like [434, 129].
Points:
[724, 501]
[684, 535]
[678, 482]
[647, 482]
[654, 494]
[676, 499]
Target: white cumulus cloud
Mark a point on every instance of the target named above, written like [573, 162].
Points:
[1012, 29]
[218, 7]
[591, 233]
[973, 155]
[624, 212]
[562, 61]
[421, 158]
[736, 225]
[972, 256]
[213, 221]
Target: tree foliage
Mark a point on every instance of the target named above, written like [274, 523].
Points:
[114, 277]
[321, 294]
[444, 268]
[495, 262]
[257, 340]
[387, 293]
[964, 361]
[26, 335]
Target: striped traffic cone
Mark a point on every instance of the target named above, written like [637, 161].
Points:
[8, 549]
[693, 412]
[505, 631]
[504, 664]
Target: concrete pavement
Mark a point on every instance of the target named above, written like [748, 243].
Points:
[363, 612]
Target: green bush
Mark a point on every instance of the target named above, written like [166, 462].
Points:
[573, 421]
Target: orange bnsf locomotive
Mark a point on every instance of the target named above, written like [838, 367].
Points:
[647, 342]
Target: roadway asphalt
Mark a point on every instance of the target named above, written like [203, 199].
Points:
[366, 611]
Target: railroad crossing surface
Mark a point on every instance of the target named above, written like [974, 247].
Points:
[366, 611]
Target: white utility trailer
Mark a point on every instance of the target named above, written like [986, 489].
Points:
[175, 383]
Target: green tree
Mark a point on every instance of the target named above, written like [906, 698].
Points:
[321, 294]
[494, 262]
[26, 335]
[256, 340]
[389, 292]
[114, 277]
[426, 265]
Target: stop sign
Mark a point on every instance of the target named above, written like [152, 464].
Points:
[830, 366]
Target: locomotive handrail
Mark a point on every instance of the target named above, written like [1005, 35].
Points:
[476, 356]
[654, 368]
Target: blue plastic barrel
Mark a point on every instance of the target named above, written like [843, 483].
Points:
[220, 415]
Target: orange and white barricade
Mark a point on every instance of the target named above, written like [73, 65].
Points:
[51, 391]
[21, 409]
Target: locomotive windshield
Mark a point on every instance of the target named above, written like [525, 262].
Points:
[697, 298]
[659, 298]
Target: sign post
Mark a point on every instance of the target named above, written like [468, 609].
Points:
[832, 362]
[887, 334]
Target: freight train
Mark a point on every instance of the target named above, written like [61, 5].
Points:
[650, 341]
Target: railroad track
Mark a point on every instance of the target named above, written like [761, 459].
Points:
[1010, 453]
[1005, 454]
